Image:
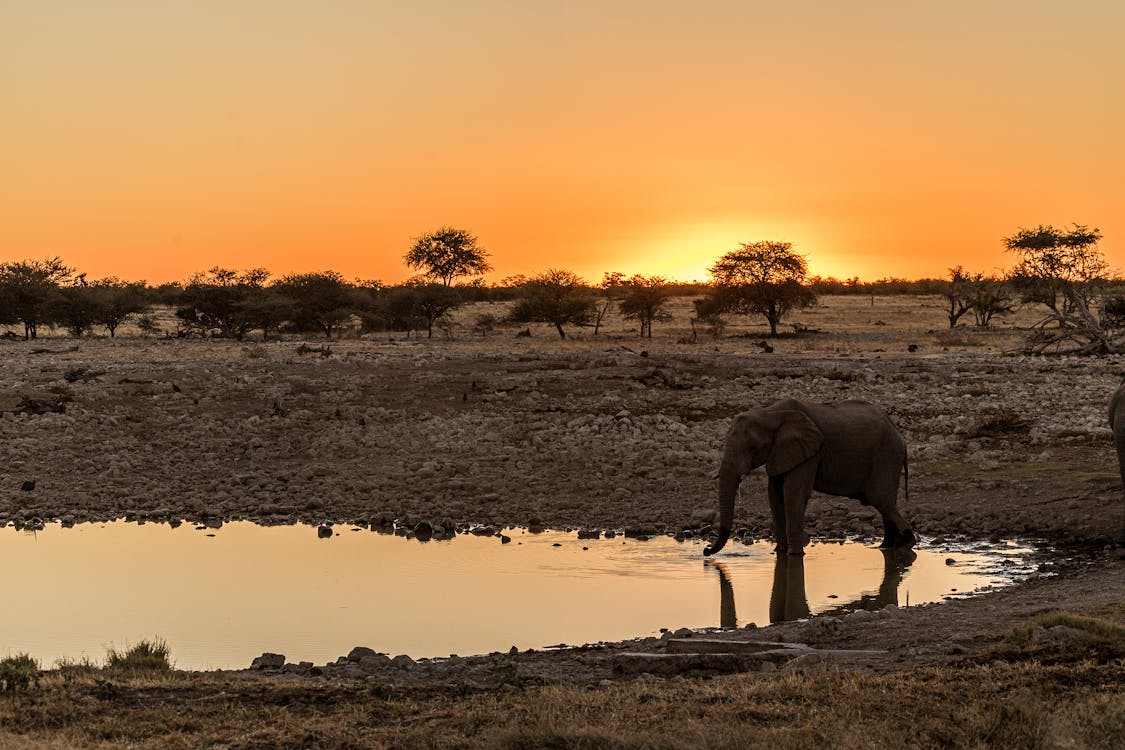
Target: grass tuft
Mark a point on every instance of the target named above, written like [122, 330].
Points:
[146, 656]
[19, 672]
[1093, 630]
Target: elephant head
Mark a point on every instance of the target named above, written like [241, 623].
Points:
[780, 440]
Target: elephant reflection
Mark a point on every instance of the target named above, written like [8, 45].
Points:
[787, 596]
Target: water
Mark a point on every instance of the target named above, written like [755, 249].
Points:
[221, 597]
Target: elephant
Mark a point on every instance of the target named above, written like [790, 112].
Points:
[850, 449]
[1117, 424]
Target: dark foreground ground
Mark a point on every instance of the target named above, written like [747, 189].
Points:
[593, 434]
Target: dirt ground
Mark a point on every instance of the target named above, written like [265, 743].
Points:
[593, 433]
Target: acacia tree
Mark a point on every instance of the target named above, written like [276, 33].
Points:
[762, 278]
[1065, 271]
[643, 299]
[447, 254]
[222, 300]
[320, 301]
[74, 307]
[28, 288]
[1057, 267]
[557, 297]
[116, 300]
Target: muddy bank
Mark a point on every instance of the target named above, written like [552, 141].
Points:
[599, 434]
[891, 638]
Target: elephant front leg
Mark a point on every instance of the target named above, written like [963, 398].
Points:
[796, 489]
[777, 511]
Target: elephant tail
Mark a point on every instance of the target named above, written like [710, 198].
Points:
[905, 479]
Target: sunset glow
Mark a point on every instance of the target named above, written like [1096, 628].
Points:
[152, 140]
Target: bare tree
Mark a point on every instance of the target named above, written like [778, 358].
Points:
[988, 297]
[609, 289]
[957, 295]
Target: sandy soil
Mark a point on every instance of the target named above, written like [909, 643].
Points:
[607, 432]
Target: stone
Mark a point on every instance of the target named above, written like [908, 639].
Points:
[860, 615]
[804, 661]
[376, 661]
[324, 531]
[403, 661]
[357, 653]
[828, 626]
[268, 661]
[28, 486]
[684, 633]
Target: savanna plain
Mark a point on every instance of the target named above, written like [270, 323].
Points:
[463, 433]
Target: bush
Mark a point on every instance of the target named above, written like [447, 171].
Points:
[18, 672]
[146, 656]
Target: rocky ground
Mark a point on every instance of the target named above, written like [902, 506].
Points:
[597, 433]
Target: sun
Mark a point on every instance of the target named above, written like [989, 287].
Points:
[684, 251]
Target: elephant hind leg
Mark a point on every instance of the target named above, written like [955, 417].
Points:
[897, 531]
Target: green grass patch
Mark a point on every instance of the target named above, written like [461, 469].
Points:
[1091, 630]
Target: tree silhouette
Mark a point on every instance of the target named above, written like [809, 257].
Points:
[762, 278]
[447, 254]
[27, 290]
[557, 297]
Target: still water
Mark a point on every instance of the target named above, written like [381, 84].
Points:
[220, 597]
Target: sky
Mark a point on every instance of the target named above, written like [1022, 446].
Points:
[150, 139]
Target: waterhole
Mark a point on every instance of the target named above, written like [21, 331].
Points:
[220, 597]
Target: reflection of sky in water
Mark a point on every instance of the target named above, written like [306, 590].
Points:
[220, 601]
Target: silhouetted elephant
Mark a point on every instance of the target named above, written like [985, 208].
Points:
[849, 449]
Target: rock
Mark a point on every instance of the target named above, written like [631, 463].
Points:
[324, 531]
[684, 633]
[357, 653]
[28, 486]
[403, 661]
[860, 615]
[1001, 666]
[505, 539]
[804, 661]
[375, 661]
[268, 661]
[423, 531]
[828, 626]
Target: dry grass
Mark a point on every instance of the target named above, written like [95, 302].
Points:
[1075, 702]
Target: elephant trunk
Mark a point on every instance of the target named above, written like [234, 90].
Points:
[728, 491]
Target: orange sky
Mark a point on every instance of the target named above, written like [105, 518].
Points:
[151, 139]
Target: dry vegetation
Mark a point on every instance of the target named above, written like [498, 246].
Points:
[606, 432]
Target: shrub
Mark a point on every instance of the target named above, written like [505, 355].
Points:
[146, 656]
[18, 672]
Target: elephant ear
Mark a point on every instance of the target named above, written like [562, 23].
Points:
[796, 440]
